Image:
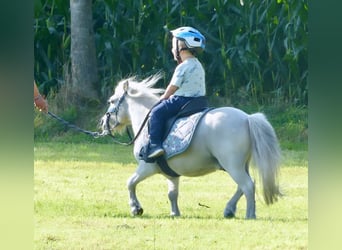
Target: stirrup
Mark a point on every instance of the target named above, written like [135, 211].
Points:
[155, 151]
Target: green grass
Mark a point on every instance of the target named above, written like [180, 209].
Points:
[81, 202]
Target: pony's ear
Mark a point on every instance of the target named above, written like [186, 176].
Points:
[130, 90]
[125, 86]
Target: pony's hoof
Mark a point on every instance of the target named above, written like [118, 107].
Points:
[173, 215]
[229, 215]
[137, 211]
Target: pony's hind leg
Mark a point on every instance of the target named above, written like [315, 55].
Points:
[245, 183]
[173, 184]
[229, 211]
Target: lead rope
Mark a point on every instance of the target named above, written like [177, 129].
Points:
[94, 134]
[108, 131]
[68, 124]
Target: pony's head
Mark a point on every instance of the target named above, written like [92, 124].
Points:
[129, 92]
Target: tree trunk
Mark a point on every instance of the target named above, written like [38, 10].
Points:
[83, 53]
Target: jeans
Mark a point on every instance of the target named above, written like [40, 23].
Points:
[161, 113]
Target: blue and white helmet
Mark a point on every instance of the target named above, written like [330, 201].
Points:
[191, 37]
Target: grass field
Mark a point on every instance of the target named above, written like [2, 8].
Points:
[81, 202]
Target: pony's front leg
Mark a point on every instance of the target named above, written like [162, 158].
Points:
[143, 171]
[134, 204]
[173, 184]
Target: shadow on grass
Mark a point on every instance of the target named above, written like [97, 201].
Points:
[206, 217]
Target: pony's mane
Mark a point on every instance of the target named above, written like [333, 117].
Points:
[144, 86]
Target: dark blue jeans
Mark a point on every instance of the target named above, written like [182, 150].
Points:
[161, 113]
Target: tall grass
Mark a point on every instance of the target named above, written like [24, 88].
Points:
[81, 202]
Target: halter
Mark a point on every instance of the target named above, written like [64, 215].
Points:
[116, 111]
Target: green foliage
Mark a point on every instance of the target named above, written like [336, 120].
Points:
[291, 125]
[51, 43]
[257, 51]
[255, 59]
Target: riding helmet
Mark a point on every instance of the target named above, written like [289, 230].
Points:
[191, 37]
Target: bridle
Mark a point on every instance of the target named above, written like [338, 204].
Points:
[115, 111]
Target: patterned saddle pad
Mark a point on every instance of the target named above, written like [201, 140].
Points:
[181, 133]
[178, 138]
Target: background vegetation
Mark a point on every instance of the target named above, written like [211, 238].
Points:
[255, 59]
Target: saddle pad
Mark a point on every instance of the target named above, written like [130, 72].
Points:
[179, 138]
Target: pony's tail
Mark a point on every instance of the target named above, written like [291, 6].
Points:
[266, 155]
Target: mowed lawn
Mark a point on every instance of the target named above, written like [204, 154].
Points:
[81, 202]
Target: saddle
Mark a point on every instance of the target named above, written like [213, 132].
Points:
[193, 106]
